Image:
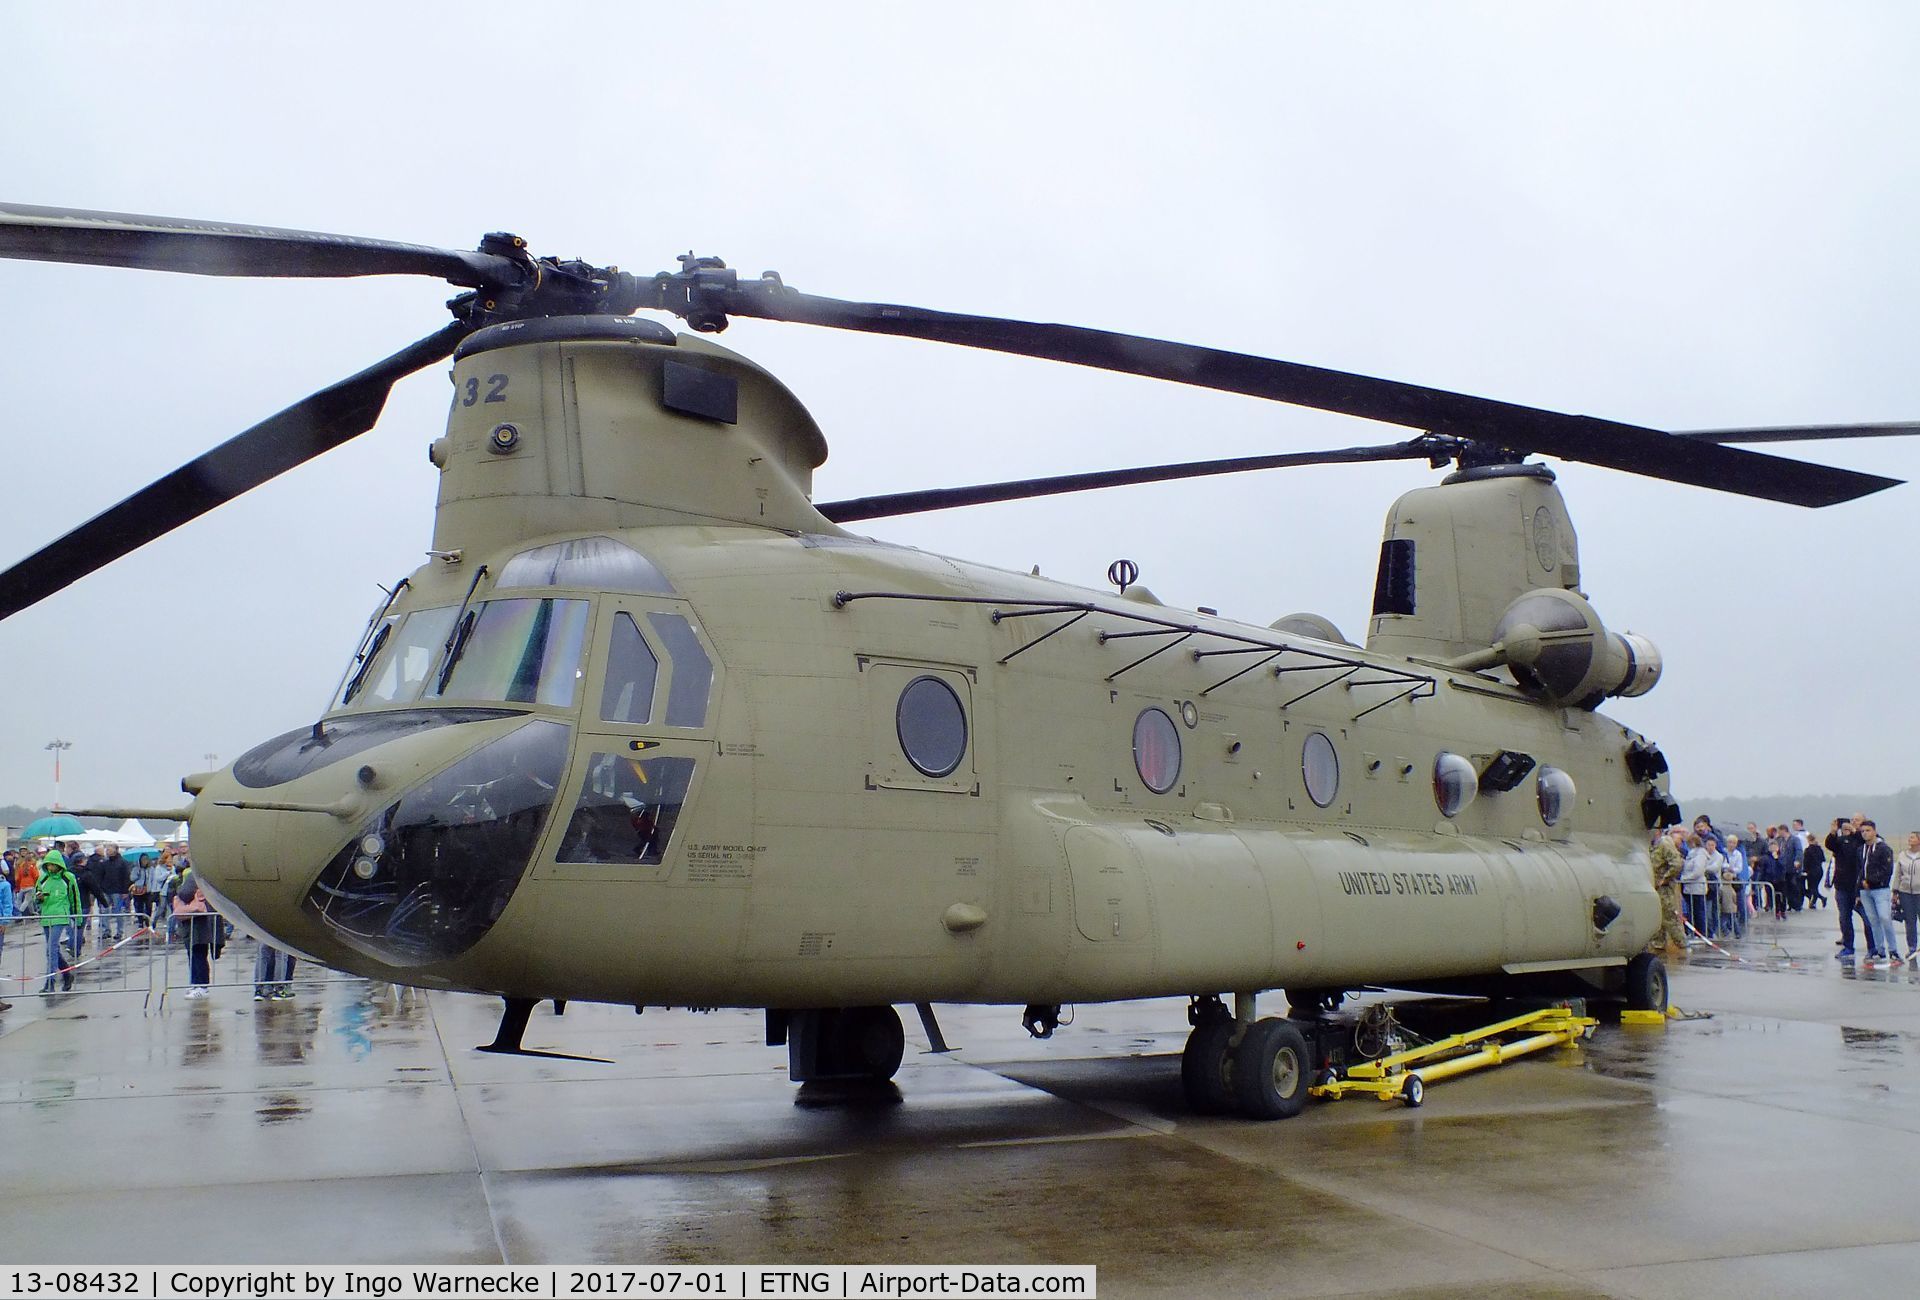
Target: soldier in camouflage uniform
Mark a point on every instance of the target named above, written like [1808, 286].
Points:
[1669, 855]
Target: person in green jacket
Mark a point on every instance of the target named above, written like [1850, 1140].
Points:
[59, 910]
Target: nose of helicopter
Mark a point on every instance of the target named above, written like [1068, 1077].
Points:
[382, 842]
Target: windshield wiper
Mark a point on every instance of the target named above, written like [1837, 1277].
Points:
[366, 664]
[364, 654]
[462, 629]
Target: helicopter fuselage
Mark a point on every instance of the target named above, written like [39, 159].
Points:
[1130, 800]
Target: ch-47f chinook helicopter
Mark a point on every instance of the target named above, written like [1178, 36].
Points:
[652, 727]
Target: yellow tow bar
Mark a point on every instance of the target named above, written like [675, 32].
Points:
[1400, 1077]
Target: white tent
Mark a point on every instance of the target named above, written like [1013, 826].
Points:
[132, 835]
[178, 834]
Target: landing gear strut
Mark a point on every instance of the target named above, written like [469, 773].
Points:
[1311, 1004]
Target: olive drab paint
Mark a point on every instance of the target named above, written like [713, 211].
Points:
[811, 862]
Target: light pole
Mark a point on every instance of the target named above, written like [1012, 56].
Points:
[213, 761]
[56, 746]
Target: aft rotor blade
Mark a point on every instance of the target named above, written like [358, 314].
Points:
[296, 435]
[1627, 447]
[907, 503]
[1804, 432]
[216, 248]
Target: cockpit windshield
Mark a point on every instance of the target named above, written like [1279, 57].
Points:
[398, 659]
[520, 651]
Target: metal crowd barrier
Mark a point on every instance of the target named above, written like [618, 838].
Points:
[150, 960]
[1759, 898]
[101, 965]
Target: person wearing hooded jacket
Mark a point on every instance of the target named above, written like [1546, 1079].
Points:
[59, 911]
[26, 878]
[198, 928]
[1906, 886]
[1701, 868]
[158, 875]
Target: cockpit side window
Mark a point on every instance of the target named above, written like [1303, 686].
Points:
[692, 679]
[631, 674]
[519, 652]
[362, 664]
[627, 810]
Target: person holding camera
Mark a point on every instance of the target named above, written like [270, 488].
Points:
[1843, 846]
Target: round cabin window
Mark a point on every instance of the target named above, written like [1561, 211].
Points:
[1156, 750]
[1556, 795]
[1321, 768]
[1455, 783]
[932, 725]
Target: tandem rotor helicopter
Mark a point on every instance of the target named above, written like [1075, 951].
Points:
[653, 727]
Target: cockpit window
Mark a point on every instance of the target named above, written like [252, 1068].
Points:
[363, 660]
[627, 810]
[516, 651]
[631, 669]
[398, 660]
[692, 679]
[597, 562]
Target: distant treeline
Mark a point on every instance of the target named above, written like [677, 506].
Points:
[1896, 813]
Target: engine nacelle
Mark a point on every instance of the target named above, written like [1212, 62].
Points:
[1555, 644]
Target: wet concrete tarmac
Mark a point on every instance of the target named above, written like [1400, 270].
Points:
[1766, 1150]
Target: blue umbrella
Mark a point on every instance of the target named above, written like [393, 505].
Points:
[57, 825]
[140, 855]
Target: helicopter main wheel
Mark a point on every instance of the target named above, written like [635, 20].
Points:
[1206, 1067]
[867, 1042]
[1646, 983]
[1272, 1069]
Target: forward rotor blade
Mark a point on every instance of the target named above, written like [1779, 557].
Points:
[1627, 447]
[907, 503]
[1803, 432]
[215, 248]
[316, 424]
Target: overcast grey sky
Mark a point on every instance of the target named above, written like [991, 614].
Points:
[1681, 216]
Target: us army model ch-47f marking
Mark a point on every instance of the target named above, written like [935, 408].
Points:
[653, 728]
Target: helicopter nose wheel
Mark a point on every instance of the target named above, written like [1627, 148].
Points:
[845, 1043]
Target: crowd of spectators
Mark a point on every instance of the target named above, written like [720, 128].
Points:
[1727, 875]
[76, 898]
